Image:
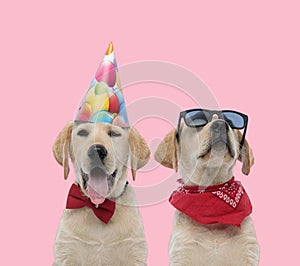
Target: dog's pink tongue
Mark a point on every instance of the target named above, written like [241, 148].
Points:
[97, 186]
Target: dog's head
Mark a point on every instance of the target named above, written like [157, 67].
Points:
[100, 154]
[206, 155]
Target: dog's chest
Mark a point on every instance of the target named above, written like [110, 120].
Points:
[213, 234]
[84, 237]
[217, 241]
[83, 224]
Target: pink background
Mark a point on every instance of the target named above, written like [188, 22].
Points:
[247, 53]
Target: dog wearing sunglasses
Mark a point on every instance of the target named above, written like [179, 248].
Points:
[212, 223]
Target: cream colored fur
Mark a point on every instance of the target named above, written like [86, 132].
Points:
[193, 243]
[83, 239]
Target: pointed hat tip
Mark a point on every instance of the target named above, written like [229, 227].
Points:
[110, 49]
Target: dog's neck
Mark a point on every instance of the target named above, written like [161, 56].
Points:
[209, 176]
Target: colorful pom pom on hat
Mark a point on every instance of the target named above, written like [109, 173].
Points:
[104, 101]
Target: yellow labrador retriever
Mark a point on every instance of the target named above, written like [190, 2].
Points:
[100, 153]
[205, 148]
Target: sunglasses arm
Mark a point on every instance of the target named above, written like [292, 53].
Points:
[243, 137]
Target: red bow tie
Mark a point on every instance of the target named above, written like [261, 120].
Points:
[226, 203]
[76, 200]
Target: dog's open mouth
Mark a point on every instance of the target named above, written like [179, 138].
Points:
[98, 183]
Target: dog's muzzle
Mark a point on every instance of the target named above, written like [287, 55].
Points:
[219, 128]
[219, 136]
[219, 131]
[96, 152]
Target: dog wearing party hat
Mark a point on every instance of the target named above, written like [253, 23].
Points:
[101, 224]
[212, 225]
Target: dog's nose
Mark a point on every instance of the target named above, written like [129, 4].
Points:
[97, 150]
[219, 126]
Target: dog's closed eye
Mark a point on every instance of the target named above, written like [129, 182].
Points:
[112, 133]
[83, 133]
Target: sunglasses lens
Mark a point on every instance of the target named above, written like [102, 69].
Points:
[234, 120]
[196, 118]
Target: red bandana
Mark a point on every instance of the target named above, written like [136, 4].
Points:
[76, 200]
[226, 203]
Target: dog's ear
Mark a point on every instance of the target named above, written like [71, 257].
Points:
[139, 151]
[246, 155]
[166, 153]
[61, 148]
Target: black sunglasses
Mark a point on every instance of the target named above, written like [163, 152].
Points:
[200, 117]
